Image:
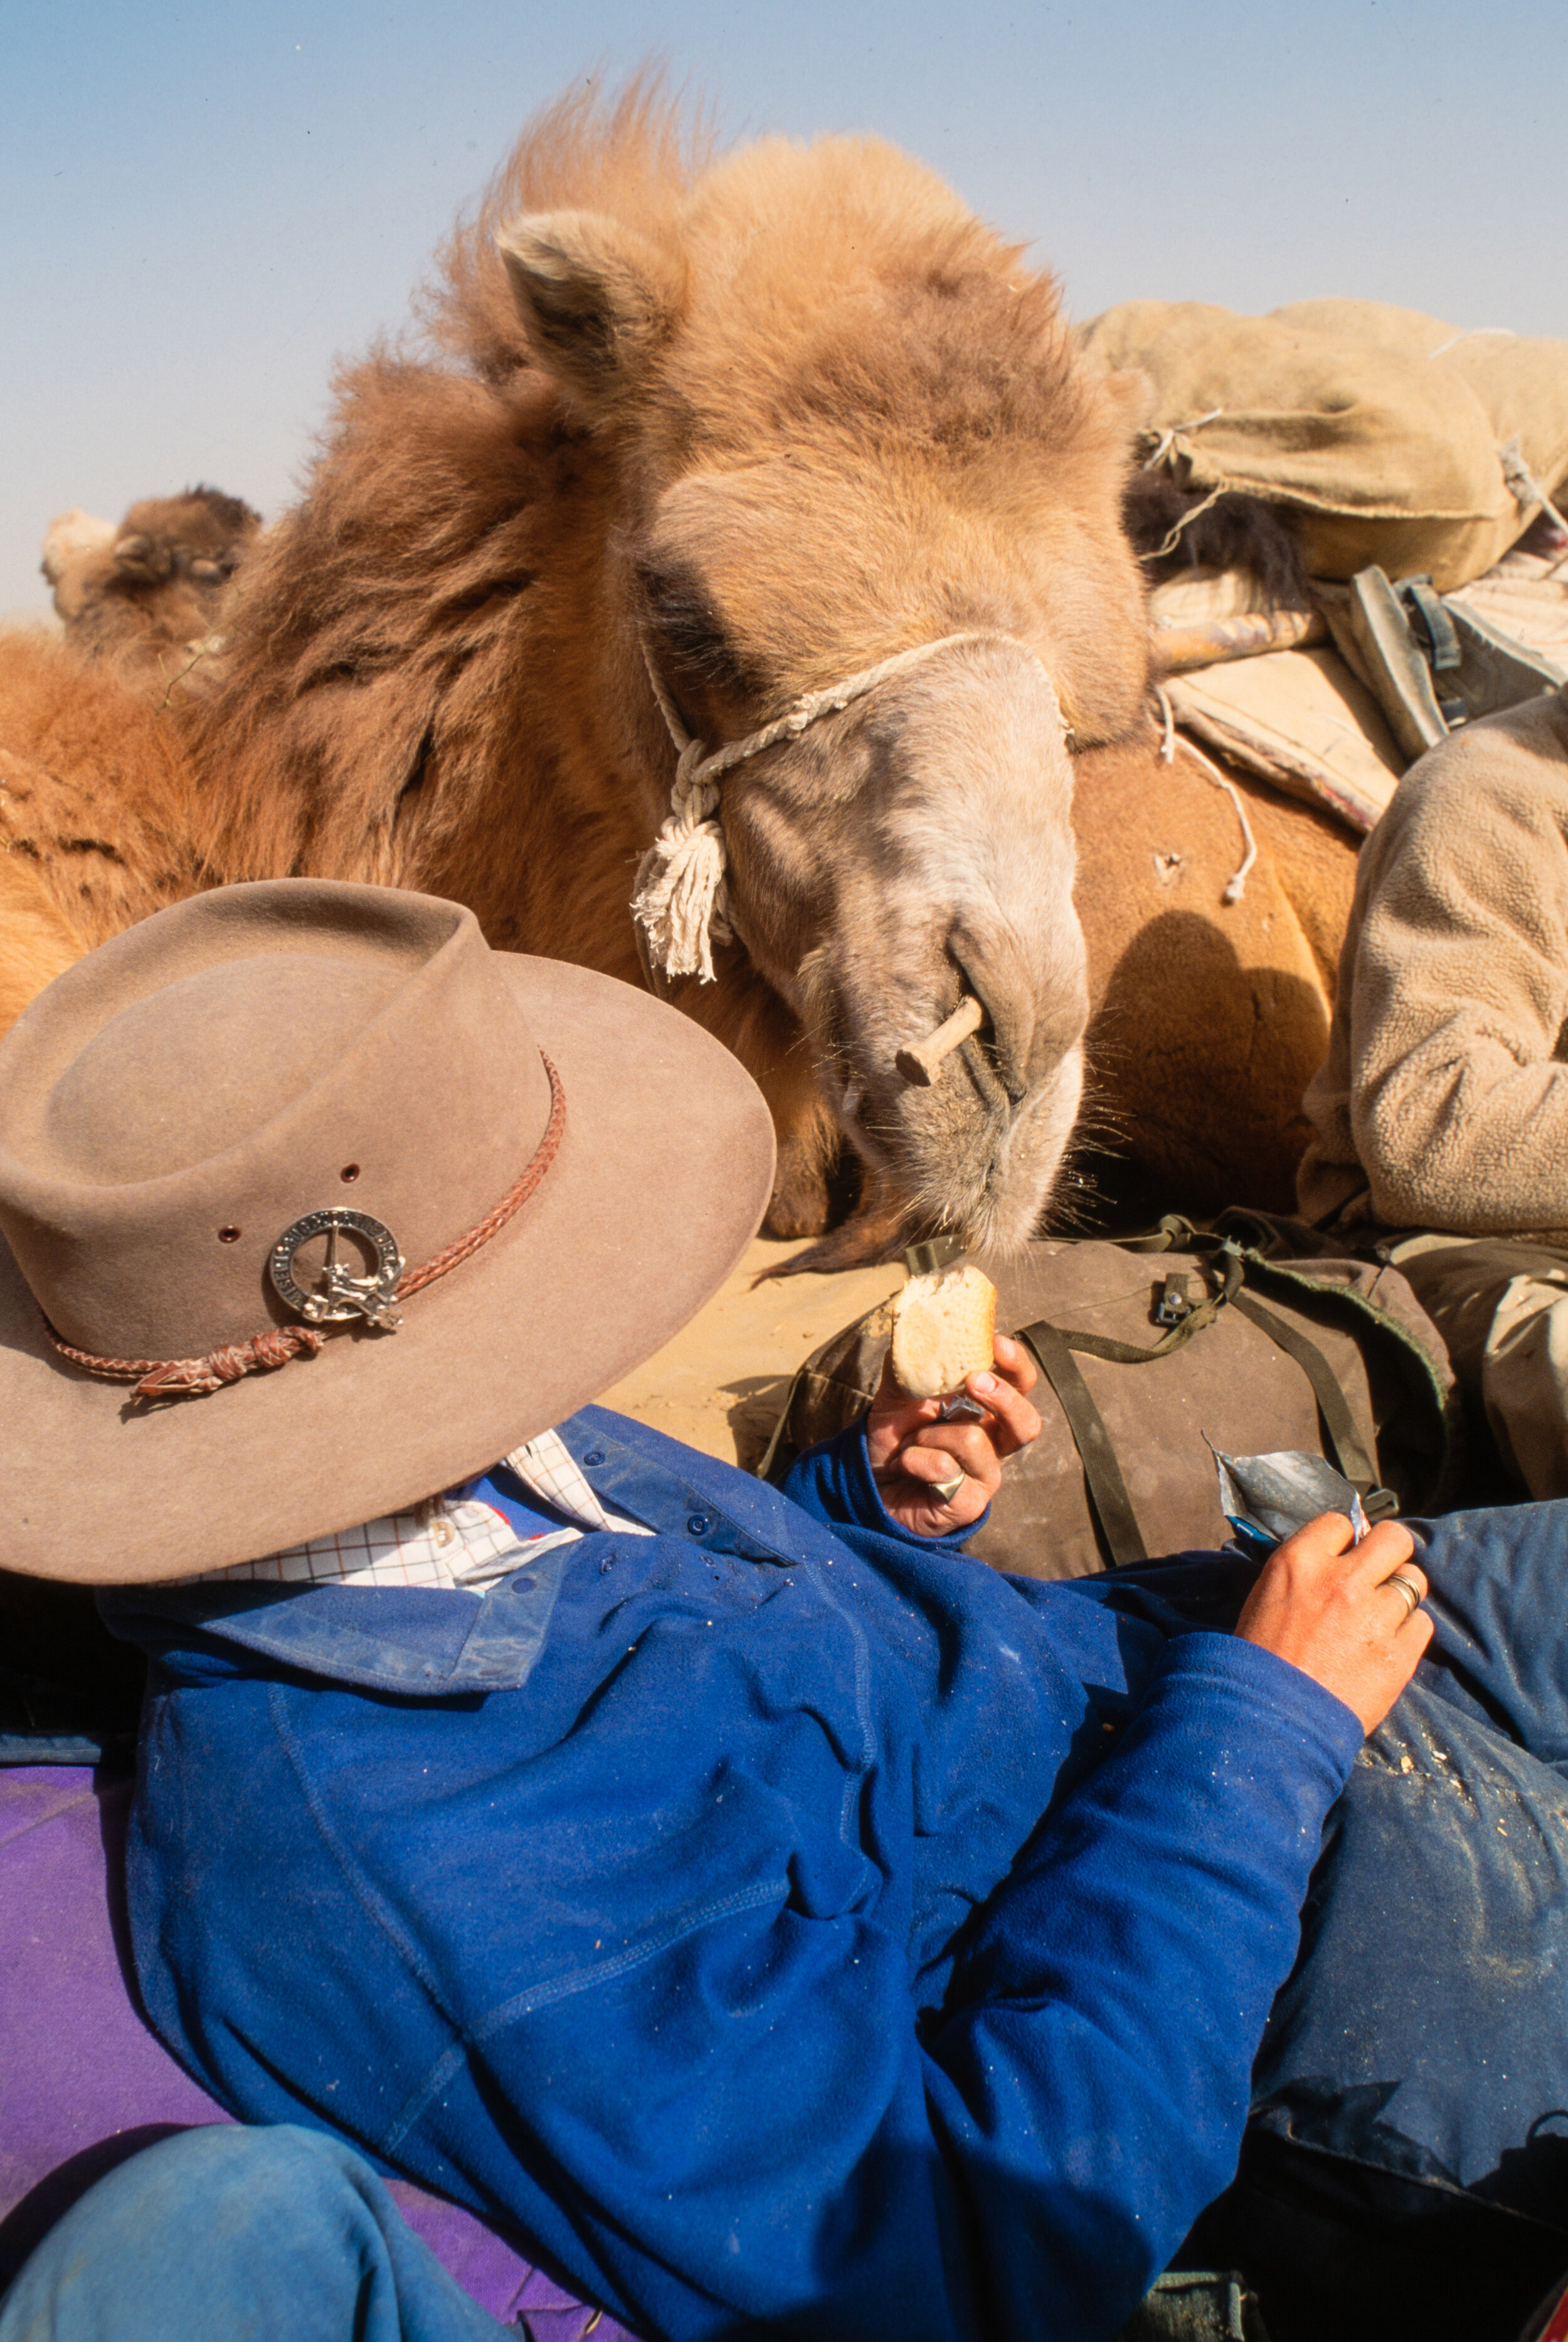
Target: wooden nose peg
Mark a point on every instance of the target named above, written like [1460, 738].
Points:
[921, 1061]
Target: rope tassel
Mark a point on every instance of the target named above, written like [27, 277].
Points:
[230, 1362]
[681, 899]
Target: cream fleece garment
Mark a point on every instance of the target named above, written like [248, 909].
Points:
[1443, 1093]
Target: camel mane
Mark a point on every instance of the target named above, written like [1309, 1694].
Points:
[849, 281]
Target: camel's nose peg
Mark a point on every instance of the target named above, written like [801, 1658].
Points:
[921, 1061]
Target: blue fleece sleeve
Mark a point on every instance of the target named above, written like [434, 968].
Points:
[1114, 1991]
[832, 1483]
[1101, 2031]
[711, 2088]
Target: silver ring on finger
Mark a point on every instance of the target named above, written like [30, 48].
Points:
[948, 1489]
[1404, 1585]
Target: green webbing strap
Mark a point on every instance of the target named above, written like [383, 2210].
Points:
[1441, 631]
[1350, 1458]
[1174, 1234]
[1131, 1354]
[1107, 1489]
[1054, 1346]
[764, 1470]
[935, 1253]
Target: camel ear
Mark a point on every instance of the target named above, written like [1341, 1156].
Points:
[596, 298]
[69, 535]
[142, 559]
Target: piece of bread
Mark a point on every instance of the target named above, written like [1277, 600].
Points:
[944, 1328]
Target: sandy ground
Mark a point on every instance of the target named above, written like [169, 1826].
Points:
[721, 1383]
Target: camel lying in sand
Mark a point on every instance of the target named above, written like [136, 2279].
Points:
[706, 438]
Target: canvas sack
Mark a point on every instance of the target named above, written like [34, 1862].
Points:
[1337, 726]
[1386, 431]
[1228, 1381]
[1301, 721]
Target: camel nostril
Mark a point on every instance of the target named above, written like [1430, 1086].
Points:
[1002, 1056]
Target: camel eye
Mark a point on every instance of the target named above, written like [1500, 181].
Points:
[689, 629]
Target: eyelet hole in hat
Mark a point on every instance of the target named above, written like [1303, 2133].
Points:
[228, 1236]
[349, 1174]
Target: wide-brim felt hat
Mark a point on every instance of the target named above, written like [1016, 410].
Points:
[539, 1172]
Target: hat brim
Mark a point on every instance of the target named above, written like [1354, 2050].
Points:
[663, 1175]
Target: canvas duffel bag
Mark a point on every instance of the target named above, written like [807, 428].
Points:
[1254, 1337]
[1393, 437]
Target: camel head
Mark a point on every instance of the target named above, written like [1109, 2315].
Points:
[913, 851]
[844, 420]
[146, 593]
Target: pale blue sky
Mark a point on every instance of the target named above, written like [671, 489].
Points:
[203, 205]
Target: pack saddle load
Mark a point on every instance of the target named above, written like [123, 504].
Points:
[1409, 457]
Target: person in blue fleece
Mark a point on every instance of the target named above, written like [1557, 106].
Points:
[782, 1923]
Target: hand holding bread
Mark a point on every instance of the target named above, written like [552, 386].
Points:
[936, 1476]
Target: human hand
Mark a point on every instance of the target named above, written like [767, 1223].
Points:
[1325, 1605]
[912, 1449]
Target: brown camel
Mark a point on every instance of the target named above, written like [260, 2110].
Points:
[144, 597]
[726, 433]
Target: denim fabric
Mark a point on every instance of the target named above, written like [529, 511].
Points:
[238, 2236]
[793, 1942]
[1425, 2029]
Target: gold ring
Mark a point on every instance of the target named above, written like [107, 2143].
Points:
[1403, 1585]
[948, 1489]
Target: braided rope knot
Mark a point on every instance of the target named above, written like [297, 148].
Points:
[680, 900]
[230, 1361]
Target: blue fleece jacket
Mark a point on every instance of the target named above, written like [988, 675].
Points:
[780, 1921]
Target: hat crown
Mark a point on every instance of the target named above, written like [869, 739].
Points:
[195, 1069]
[174, 1103]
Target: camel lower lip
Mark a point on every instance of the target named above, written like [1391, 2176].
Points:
[995, 1196]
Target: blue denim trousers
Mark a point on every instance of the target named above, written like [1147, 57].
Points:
[238, 2236]
[1406, 2165]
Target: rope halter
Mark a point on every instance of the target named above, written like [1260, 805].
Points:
[681, 897]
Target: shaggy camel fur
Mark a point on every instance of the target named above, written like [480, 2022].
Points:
[760, 423]
[98, 813]
[145, 598]
[1231, 531]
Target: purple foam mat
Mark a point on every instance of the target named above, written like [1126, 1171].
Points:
[84, 2081]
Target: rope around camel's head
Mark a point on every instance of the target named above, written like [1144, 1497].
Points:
[680, 900]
